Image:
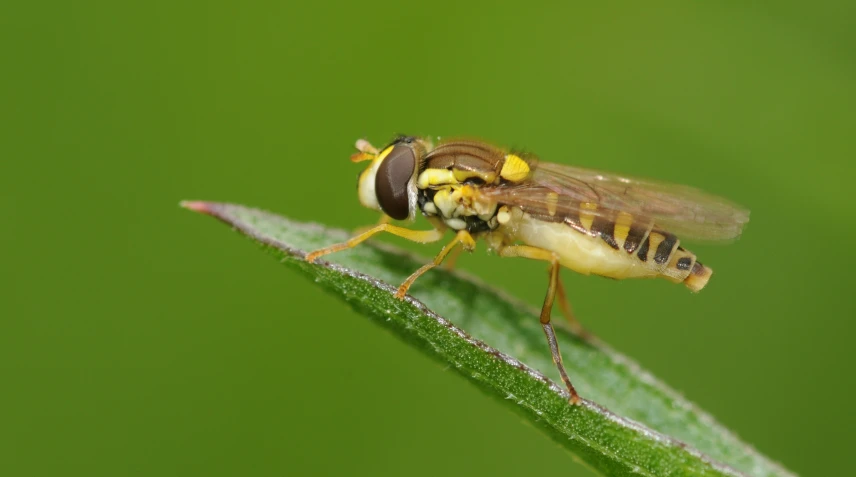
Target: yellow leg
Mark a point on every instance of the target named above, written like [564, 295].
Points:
[565, 306]
[463, 237]
[384, 219]
[535, 253]
[421, 236]
[453, 259]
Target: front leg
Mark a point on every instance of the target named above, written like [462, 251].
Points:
[421, 236]
[384, 219]
[462, 237]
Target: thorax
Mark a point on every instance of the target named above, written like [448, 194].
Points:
[450, 177]
[459, 207]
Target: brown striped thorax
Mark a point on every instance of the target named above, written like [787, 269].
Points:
[594, 222]
[589, 221]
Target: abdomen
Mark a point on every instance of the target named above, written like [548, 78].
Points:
[613, 250]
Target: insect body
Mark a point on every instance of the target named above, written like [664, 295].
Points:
[588, 221]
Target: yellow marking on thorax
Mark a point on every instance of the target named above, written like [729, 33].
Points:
[432, 177]
[586, 217]
[622, 228]
[504, 215]
[444, 201]
[468, 192]
[462, 175]
[469, 198]
[552, 200]
[457, 193]
[514, 169]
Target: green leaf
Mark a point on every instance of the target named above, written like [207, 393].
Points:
[606, 430]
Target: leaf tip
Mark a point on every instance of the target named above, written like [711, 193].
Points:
[197, 206]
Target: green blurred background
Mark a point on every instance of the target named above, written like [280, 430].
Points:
[139, 339]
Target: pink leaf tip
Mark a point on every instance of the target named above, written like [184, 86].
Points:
[196, 206]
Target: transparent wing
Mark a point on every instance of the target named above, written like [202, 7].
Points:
[684, 211]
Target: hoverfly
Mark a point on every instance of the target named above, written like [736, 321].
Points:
[588, 221]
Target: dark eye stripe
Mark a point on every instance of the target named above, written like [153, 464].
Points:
[393, 176]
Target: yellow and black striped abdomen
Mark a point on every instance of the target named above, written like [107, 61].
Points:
[662, 251]
[610, 243]
[656, 249]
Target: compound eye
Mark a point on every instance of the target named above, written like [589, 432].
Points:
[393, 177]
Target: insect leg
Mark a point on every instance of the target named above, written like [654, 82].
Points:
[421, 236]
[453, 259]
[384, 219]
[565, 306]
[462, 237]
[535, 253]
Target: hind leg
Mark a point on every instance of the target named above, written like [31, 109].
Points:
[536, 253]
